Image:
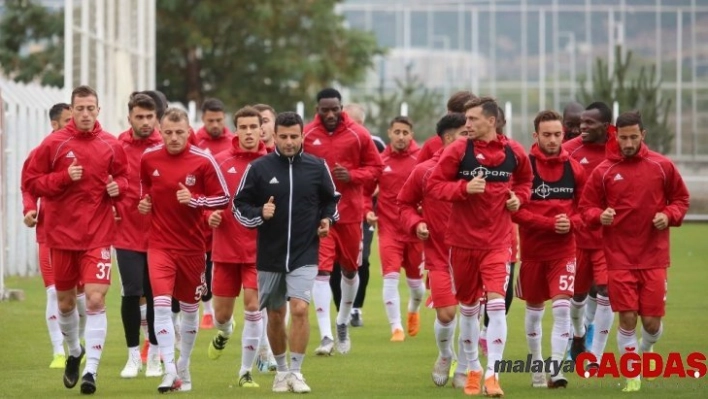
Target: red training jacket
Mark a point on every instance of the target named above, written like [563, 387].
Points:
[636, 188]
[481, 221]
[351, 146]
[213, 145]
[435, 214]
[29, 201]
[79, 213]
[430, 148]
[232, 164]
[133, 227]
[537, 218]
[176, 226]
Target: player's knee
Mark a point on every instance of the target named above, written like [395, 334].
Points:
[298, 308]
[651, 324]
[350, 274]
[628, 320]
[446, 315]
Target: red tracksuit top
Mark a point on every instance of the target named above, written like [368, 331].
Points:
[430, 148]
[213, 145]
[351, 146]
[175, 226]
[589, 156]
[29, 201]
[398, 167]
[79, 214]
[233, 243]
[636, 188]
[557, 188]
[481, 221]
[133, 227]
[435, 214]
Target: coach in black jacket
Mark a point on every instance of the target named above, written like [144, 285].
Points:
[291, 198]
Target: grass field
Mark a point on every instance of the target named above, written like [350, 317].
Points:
[376, 368]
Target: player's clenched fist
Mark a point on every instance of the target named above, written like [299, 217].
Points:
[145, 205]
[215, 218]
[323, 230]
[31, 219]
[371, 218]
[661, 221]
[269, 208]
[112, 187]
[562, 225]
[607, 217]
[183, 194]
[513, 203]
[477, 184]
[76, 171]
[422, 231]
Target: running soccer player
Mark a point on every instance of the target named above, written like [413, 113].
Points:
[455, 104]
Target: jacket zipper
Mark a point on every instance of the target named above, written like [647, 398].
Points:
[290, 214]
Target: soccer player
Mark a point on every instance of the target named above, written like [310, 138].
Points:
[79, 172]
[59, 116]
[430, 228]
[214, 137]
[350, 152]
[455, 104]
[571, 120]
[546, 225]
[398, 247]
[291, 198]
[235, 262]
[132, 238]
[178, 182]
[486, 177]
[635, 195]
[267, 128]
[589, 150]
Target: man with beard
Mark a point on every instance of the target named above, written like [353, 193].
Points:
[571, 120]
[268, 116]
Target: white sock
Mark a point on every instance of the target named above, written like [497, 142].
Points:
[534, 331]
[227, 328]
[469, 337]
[648, 340]
[590, 309]
[627, 340]
[417, 292]
[559, 334]
[165, 332]
[496, 334]
[296, 361]
[392, 301]
[81, 306]
[322, 297]
[252, 332]
[603, 323]
[152, 350]
[208, 309]
[143, 320]
[443, 337]
[576, 316]
[349, 289]
[190, 327]
[52, 316]
[264, 337]
[69, 325]
[96, 326]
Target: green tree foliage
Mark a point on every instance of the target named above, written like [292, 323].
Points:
[32, 43]
[640, 92]
[245, 52]
[425, 106]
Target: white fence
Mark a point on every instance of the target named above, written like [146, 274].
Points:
[24, 122]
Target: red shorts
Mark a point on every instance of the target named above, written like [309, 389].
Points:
[476, 271]
[343, 245]
[591, 267]
[71, 268]
[398, 254]
[45, 265]
[180, 275]
[441, 293]
[228, 278]
[639, 290]
[541, 281]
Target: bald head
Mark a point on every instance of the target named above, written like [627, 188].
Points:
[356, 112]
[571, 120]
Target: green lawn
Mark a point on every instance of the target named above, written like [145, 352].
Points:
[376, 368]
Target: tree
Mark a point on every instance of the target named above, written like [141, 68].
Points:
[425, 106]
[244, 52]
[26, 23]
[641, 92]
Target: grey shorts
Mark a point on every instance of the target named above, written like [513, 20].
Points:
[275, 288]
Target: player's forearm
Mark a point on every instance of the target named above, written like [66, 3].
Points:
[49, 185]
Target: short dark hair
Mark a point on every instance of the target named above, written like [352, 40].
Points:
[176, 115]
[630, 118]
[457, 101]
[402, 119]
[213, 105]
[546, 116]
[329, 93]
[501, 120]
[488, 104]
[246, 112]
[265, 107]
[159, 99]
[143, 101]
[451, 121]
[287, 119]
[83, 91]
[604, 109]
[56, 110]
